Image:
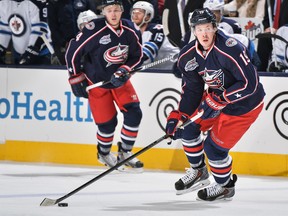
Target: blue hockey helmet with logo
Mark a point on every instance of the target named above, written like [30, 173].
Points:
[201, 16]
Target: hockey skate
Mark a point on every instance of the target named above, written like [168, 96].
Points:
[193, 180]
[133, 163]
[218, 192]
[109, 160]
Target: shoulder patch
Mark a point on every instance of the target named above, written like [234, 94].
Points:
[90, 25]
[191, 65]
[230, 42]
[105, 39]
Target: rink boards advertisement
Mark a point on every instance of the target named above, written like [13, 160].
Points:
[42, 121]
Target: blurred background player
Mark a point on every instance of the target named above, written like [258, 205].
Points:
[107, 49]
[219, 79]
[155, 44]
[62, 17]
[217, 7]
[24, 23]
[275, 16]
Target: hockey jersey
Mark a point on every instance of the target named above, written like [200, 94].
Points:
[226, 69]
[98, 50]
[24, 21]
[155, 44]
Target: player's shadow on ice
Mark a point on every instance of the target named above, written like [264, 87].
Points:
[166, 206]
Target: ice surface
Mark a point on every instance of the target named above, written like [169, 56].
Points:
[24, 186]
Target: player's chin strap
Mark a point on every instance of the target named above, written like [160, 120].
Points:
[51, 202]
[171, 58]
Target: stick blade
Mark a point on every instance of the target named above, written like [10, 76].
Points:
[48, 202]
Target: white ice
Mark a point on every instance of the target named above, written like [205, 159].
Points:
[23, 187]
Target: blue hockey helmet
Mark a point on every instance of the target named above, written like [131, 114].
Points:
[201, 16]
[111, 2]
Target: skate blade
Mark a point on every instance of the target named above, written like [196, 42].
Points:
[198, 186]
[219, 199]
[131, 170]
[121, 168]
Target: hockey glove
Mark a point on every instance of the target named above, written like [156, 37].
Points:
[174, 121]
[29, 57]
[78, 84]
[120, 77]
[212, 106]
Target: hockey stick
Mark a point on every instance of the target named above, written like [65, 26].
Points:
[271, 27]
[181, 18]
[51, 202]
[51, 50]
[269, 35]
[152, 64]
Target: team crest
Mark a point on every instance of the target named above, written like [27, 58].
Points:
[17, 25]
[116, 55]
[214, 79]
[230, 42]
[191, 65]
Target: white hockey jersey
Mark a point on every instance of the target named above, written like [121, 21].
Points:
[24, 21]
[156, 45]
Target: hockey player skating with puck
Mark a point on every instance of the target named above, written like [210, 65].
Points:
[106, 50]
[231, 102]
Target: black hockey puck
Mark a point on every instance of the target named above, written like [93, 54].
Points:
[62, 204]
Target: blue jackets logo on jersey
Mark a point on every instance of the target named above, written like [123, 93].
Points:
[116, 55]
[191, 65]
[214, 79]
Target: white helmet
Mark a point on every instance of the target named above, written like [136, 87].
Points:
[214, 4]
[148, 7]
[85, 17]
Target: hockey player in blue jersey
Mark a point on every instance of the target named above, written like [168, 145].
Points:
[155, 44]
[107, 49]
[218, 78]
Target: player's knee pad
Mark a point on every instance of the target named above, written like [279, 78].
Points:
[213, 152]
[133, 115]
[108, 127]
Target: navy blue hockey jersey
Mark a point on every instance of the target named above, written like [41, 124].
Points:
[99, 50]
[225, 69]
